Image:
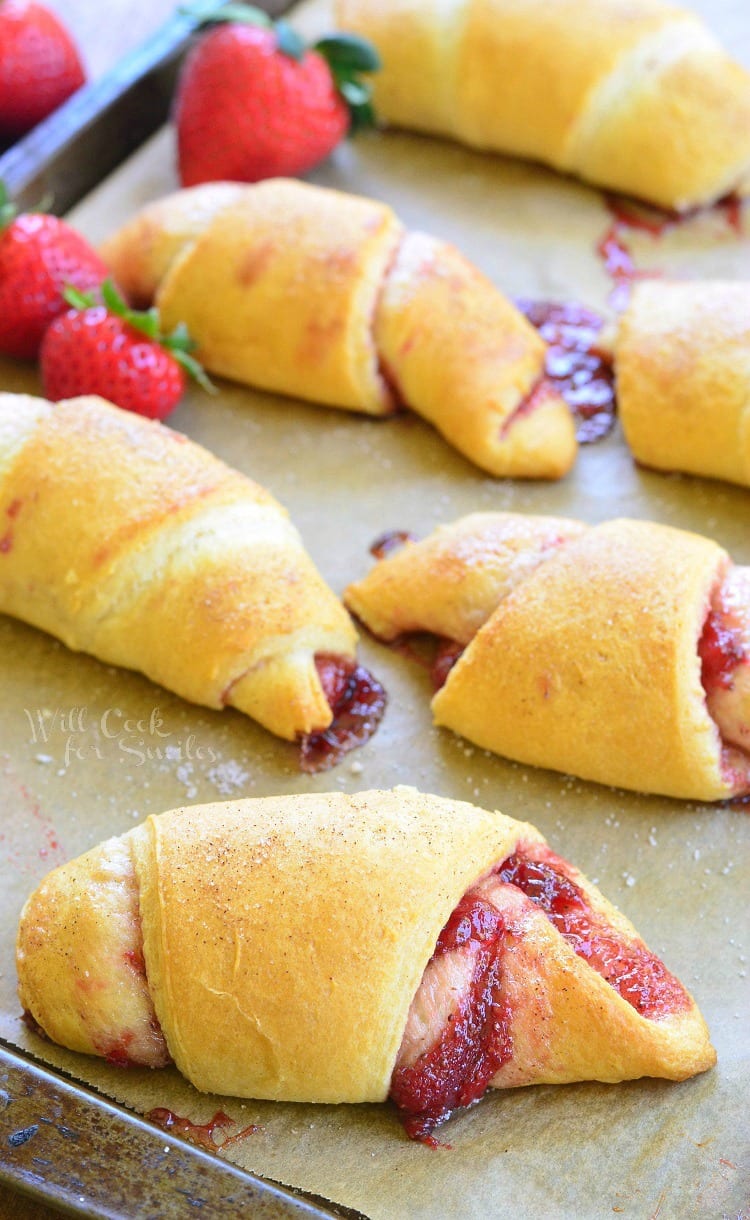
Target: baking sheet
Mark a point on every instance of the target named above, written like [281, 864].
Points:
[86, 750]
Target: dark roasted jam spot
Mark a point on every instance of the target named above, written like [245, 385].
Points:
[549, 889]
[731, 207]
[33, 1025]
[578, 366]
[357, 701]
[448, 652]
[199, 1133]
[390, 541]
[721, 651]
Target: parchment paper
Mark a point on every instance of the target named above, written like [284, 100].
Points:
[87, 750]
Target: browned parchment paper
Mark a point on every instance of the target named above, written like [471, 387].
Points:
[86, 750]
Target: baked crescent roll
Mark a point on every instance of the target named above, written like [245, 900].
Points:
[683, 377]
[619, 653]
[334, 948]
[127, 541]
[325, 296]
[635, 95]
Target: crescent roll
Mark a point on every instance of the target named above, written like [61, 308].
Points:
[619, 653]
[683, 377]
[634, 95]
[324, 296]
[325, 947]
[127, 541]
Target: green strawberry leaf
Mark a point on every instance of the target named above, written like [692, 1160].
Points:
[79, 300]
[348, 56]
[178, 342]
[7, 209]
[348, 53]
[355, 92]
[179, 339]
[194, 369]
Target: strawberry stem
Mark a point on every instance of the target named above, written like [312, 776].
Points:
[348, 56]
[7, 209]
[178, 342]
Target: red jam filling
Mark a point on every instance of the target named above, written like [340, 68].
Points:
[201, 1134]
[579, 368]
[543, 390]
[135, 959]
[447, 654]
[631, 215]
[357, 701]
[477, 1041]
[117, 1052]
[634, 971]
[390, 541]
[721, 651]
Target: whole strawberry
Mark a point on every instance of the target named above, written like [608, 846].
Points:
[39, 255]
[39, 65]
[253, 102]
[108, 349]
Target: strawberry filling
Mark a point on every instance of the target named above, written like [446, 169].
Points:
[537, 396]
[724, 651]
[474, 1036]
[721, 650]
[577, 364]
[357, 701]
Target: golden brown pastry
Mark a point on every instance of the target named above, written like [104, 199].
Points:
[619, 653]
[127, 541]
[683, 377]
[325, 296]
[334, 948]
[634, 95]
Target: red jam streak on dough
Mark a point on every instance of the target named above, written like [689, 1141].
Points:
[578, 365]
[628, 215]
[627, 965]
[201, 1134]
[386, 543]
[475, 1044]
[721, 651]
[118, 1053]
[358, 703]
[448, 652]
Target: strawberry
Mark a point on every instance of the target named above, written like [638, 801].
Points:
[39, 255]
[253, 102]
[106, 348]
[39, 65]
